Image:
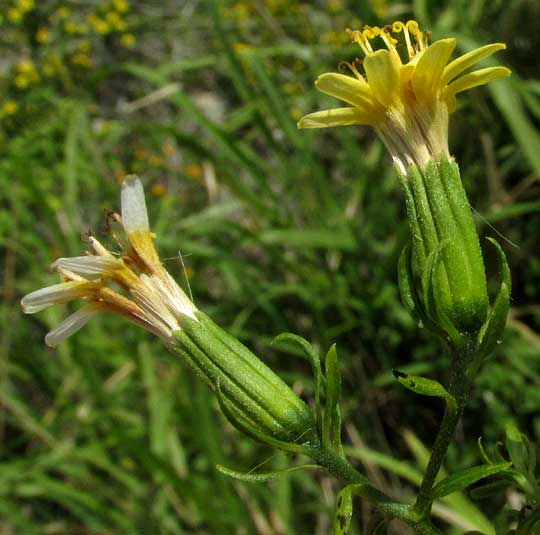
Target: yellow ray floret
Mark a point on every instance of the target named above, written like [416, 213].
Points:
[408, 88]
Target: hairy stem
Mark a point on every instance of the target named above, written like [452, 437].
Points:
[340, 468]
[459, 388]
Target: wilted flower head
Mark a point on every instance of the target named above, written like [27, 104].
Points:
[406, 100]
[134, 284]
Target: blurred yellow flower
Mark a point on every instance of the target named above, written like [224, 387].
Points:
[49, 70]
[42, 35]
[82, 60]
[22, 82]
[335, 5]
[63, 12]
[241, 48]
[380, 7]
[10, 107]
[128, 40]
[120, 5]
[85, 46]
[26, 74]
[116, 21]
[193, 170]
[25, 5]
[26, 66]
[99, 25]
[71, 27]
[168, 148]
[158, 189]
[14, 15]
[120, 174]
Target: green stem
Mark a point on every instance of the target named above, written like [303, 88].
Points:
[459, 389]
[340, 468]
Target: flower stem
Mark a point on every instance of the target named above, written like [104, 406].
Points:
[459, 389]
[340, 468]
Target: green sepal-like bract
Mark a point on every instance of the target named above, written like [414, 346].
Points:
[492, 330]
[315, 360]
[432, 297]
[410, 294]
[250, 394]
[446, 267]
[250, 429]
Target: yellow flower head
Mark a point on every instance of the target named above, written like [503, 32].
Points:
[134, 285]
[406, 101]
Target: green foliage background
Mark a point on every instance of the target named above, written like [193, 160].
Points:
[279, 230]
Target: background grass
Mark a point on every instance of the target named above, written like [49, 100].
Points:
[279, 229]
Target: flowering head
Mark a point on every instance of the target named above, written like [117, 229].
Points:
[406, 92]
[133, 284]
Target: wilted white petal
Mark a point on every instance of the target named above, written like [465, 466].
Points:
[71, 324]
[134, 214]
[89, 265]
[52, 295]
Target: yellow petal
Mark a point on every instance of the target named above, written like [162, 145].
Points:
[468, 60]
[383, 77]
[427, 74]
[346, 88]
[476, 78]
[337, 117]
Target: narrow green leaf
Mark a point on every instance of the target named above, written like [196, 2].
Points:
[464, 478]
[457, 501]
[344, 508]
[311, 238]
[483, 453]
[507, 99]
[495, 488]
[331, 424]
[257, 477]
[405, 279]
[314, 359]
[276, 102]
[422, 386]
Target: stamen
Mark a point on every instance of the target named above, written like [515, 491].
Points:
[98, 248]
[414, 29]
[370, 32]
[358, 38]
[390, 42]
[399, 27]
[346, 65]
[66, 274]
[387, 37]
